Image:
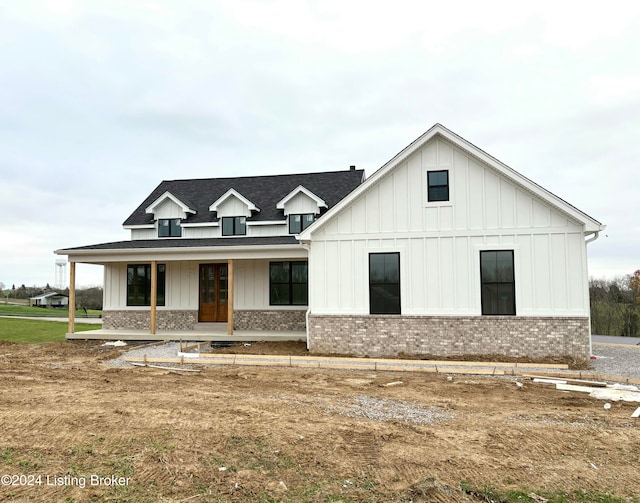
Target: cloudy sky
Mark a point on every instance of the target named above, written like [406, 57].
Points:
[101, 100]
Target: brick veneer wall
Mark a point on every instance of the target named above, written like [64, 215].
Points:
[379, 335]
[139, 320]
[278, 320]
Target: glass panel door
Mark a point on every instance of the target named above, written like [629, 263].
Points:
[214, 292]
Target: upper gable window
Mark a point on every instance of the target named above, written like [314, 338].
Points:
[438, 185]
[234, 226]
[169, 228]
[299, 222]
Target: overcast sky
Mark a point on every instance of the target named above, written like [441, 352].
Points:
[101, 100]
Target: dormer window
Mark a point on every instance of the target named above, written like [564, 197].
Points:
[299, 222]
[234, 226]
[169, 228]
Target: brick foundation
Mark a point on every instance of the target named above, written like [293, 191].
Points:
[139, 320]
[276, 320]
[377, 335]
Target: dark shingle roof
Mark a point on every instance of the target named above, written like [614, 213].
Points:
[140, 244]
[263, 191]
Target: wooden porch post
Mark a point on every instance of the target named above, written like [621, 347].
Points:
[72, 297]
[230, 299]
[154, 295]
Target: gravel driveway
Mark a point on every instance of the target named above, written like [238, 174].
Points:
[619, 361]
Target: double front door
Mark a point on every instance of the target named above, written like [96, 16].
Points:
[214, 292]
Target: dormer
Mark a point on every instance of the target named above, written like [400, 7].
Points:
[169, 206]
[233, 209]
[232, 203]
[168, 211]
[300, 206]
[301, 200]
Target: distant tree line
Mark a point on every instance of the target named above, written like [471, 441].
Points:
[615, 305]
[90, 298]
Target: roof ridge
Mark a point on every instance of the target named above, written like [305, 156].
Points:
[262, 176]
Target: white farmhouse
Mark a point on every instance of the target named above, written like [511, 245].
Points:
[442, 251]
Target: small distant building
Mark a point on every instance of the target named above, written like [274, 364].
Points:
[51, 300]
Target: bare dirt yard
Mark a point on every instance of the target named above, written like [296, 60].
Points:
[75, 429]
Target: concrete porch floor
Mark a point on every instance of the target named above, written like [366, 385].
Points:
[202, 332]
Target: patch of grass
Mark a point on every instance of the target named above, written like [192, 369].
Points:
[28, 466]
[40, 312]
[36, 331]
[159, 445]
[6, 456]
[489, 493]
[121, 467]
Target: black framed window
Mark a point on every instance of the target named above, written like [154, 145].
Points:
[288, 283]
[498, 285]
[438, 185]
[384, 283]
[169, 228]
[234, 226]
[139, 284]
[299, 222]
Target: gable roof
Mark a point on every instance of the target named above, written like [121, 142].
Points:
[264, 191]
[233, 193]
[590, 224]
[184, 206]
[300, 190]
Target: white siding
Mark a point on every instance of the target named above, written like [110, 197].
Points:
[115, 286]
[233, 207]
[301, 203]
[201, 232]
[144, 233]
[182, 287]
[267, 230]
[168, 209]
[181, 290]
[439, 243]
[251, 284]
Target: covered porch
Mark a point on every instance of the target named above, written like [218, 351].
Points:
[195, 293]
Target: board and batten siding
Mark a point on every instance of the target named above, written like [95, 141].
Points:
[182, 286]
[301, 203]
[187, 232]
[439, 243]
[147, 233]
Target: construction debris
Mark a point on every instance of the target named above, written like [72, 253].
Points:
[615, 395]
[164, 368]
[567, 380]
[636, 413]
[116, 344]
[599, 390]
